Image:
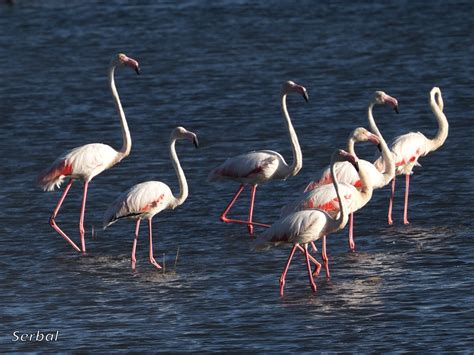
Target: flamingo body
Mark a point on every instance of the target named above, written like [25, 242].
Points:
[82, 163]
[141, 201]
[256, 167]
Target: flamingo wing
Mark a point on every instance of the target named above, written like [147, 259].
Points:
[324, 197]
[406, 150]
[256, 166]
[83, 162]
[140, 201]
[297, 227]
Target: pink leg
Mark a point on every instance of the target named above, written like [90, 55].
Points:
[308, 266]
[252, 201]
[287, 266]
[318, 265]
[325, 258]
[81, 220]
[390, 203]
[134, 248]
[224, 218]
[405, 211]
[152, 259]
[52, 220]
[351, 232]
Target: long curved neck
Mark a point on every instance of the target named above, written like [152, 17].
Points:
[436, 103]
[297, 163]
[341, 221]
[350, 145]
[387, 156]
[183, 185]
[127, 140]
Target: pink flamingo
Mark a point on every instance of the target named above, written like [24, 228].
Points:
[408, 148]
[258, 167]
[87, 161]
[346, 173]
[307, 226]
[145, 200]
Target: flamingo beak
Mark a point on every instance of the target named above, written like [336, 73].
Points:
[196, 141]
[137, 70]
[379, 147]
[396, 109]
[356, 165]
[305, 95]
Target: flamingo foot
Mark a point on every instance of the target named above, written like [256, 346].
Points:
[352, 245]
[250, 228]
[134, 264]
[317, 270]
[282, 286]
[153, 262]
[406, 221]
[390, 221]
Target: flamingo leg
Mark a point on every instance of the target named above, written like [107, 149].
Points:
[318, 265]
[52, 220]
[351, 232]
[249, 222]
[390, 203]
[325, 258]
[81, 220]
[152, 259]
[308, 266]
[134, 248]
[405, 210]
[252, 202]
[287, 266]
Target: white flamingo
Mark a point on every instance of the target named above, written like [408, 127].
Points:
[346, 173]
[145, 200]
[324, 196]
[408, 148]
[307, 226]
[258, 167]
[87, 161]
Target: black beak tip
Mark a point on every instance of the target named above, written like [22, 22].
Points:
[137, 70]
[396, 109]
[196, 142]
[356, 166]
[306, 97]
[379, 147]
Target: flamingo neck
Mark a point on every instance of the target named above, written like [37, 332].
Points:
[436, 103]
[387, 156]
[297, 163]
[183, 185]
[350, 145]
[126, 138]
[341, 221]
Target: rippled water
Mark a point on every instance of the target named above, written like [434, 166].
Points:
[216, 68]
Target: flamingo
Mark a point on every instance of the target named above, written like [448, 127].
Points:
[408, 148]
[145, 200]
[258, 167]
[87, 161]
[346, 173]
[307, 226]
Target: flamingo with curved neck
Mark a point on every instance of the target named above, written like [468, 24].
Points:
[306, 226]
[87, 161]
[408, 148]
[346, 174]
[258, 167]
[145, 200]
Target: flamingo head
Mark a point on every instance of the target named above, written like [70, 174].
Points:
[360, 134]
[382, 98]
[292, 86]
[341, 155]
[183, 133]
[122, 59]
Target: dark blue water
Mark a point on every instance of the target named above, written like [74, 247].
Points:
[217, 68]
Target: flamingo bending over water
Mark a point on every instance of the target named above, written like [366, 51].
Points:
[346, 173]
[307, 226]
[258, 167]
[87, 161]
[145, 200]
[408, 148]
